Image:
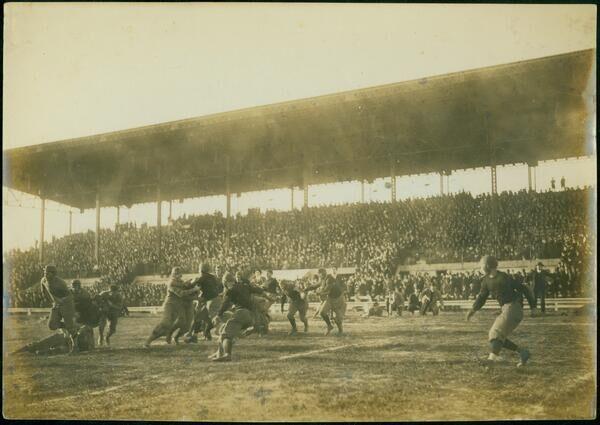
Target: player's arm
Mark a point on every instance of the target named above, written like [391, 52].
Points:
[227, 303]
[480, 300]
[519, 287]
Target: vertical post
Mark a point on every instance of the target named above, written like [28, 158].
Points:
[307, 172]
[70, 222]
[42, 225]
[158, 224]
[118, 215]
[292, 197]
[448, 183]
[529, 180]
[228, 206]
[393, 174]
[441, 183]
[362, 191]
[494, 182]
[97, 238]
[170, 209]
[534, 177]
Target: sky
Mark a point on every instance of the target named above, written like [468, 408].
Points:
[73, 70]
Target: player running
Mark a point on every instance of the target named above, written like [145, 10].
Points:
[509, 294]
[298, 304]
[176, 304]
[237, 295]
[334, 301]
[111, 306]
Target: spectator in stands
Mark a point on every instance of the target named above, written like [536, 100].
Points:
[375, 238]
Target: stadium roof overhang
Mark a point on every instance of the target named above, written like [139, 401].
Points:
[521, 112]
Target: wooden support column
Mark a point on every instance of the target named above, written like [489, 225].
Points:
[70, 222]
[42, 226]
[97, 236]
[292, 197]
[158, 225]
[306, 176]
[393, 174]
[228, 204]
[362, 191]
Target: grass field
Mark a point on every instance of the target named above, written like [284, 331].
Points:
[409, 368]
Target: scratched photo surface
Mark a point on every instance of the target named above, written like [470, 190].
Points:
[285, 212]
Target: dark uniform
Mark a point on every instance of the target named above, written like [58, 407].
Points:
[209, 303]
[509, 295]
[111, 305]
[238, 297]
[413, 302]
[86, 310]
[62, 314]
[297, 305]
[538, 279]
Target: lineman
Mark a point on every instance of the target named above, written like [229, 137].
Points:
[237, 295]
[334, 301]
[176, 304]
[111, 303]
[62, 315]
[209, 302]
[297, 304]
[509, 294]
[86, 311]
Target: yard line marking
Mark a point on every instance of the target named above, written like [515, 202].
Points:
[370, 344]
[98, 392]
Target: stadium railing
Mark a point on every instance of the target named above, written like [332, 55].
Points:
[552, 304]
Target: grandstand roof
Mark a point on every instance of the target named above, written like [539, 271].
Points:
[529, 111]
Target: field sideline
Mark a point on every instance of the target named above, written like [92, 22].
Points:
[409, 368]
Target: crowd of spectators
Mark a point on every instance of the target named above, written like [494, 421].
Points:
[375, 238]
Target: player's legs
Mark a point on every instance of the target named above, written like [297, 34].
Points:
[540, 293]
[170, 314]
[101, 327]
[302, 310]
[113, 319]
[290, 316]
[324, 311]
[241, 319]
[339, 308]
[67, 311]
[283, 300]
[212, 309]
[504, 325]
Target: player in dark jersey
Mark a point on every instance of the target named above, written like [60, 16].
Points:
[334, 301]
[86, 310]
[238, 296]
[509, 295]
[209, 303]
[111, 305]
[62, 315]
[298, 304]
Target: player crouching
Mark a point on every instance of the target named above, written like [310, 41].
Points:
[509, 295]
[237, 295]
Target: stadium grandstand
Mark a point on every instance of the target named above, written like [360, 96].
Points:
[523, 112]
